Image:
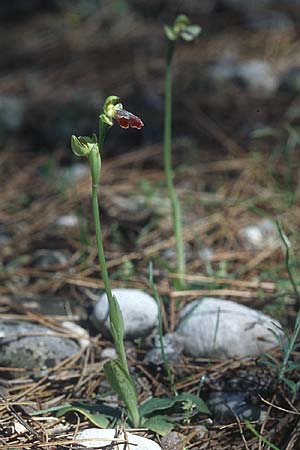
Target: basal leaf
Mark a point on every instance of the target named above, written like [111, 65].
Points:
[159, 424]
[122, 384]
[156, 404]
[100, 420]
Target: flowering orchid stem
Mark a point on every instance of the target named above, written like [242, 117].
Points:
[116, 371]
[175, 204]
[115, 315]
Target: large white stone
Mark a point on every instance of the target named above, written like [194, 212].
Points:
[139, 311]
[255, 76]
[104, 437]
[219, 328]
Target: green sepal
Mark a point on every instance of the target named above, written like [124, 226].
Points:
[108, 120]
[95, 164]
[122, 384]
[190, 33]
[169, 32]
[109, 109]
[110, 100]
[82, 145]
[181, 22]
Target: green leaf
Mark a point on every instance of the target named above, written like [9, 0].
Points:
[52, 409]
[100, 420]
[122, 384]
[159, 404]
[159, 424]
[294, 387]
[116, 321]
[156, 404]
[259, 436]
[181, 21]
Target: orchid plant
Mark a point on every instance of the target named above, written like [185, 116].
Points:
[149, 413]
[183, 29]
[117, 371]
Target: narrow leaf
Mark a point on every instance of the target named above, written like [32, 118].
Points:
[156, 404]
[100, 420]
[159, 425]
[122, 384]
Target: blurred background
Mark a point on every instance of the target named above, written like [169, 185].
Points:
[59, 60]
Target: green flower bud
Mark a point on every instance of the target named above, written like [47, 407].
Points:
[83, 145]
[95, 165]
[182, 28]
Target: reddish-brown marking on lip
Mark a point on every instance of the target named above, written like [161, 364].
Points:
[126, 119]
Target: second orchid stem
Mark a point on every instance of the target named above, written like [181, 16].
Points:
[175, 204]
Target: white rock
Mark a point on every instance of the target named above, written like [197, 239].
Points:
[173, 347]
[79, 333]
[109, 353]
[68, 221]
[138, 308]
[258, 76]
[254, 75]
[221, 328]
[75, 171]
[104, 437]
[258, 236]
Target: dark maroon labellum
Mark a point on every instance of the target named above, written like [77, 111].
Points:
[126, 119]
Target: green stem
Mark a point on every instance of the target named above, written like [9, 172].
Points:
[160, 331]
[115, 314]
[293, 338]
[119, 347]
[175, 204]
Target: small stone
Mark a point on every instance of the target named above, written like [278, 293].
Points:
[32, 347]
[12, 113]
[225, 406]
[259, 236]
[5, 236]
[173, 347]
[68, 221]
[74, 172]
[107, 438]
[224, 329]
[46, 258]
[138, 308]
[206, 253]
[172, 441]
[109, 353]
